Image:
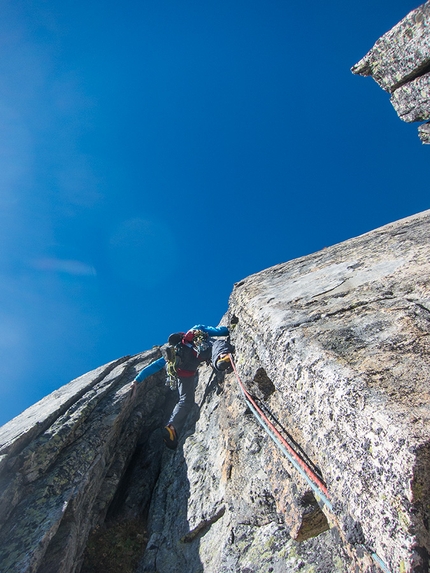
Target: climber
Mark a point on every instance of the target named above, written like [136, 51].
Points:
[181, 357]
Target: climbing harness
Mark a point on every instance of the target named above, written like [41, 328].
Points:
[295, 458]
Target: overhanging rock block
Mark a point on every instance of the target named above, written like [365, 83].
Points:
[403, 53]
[412, 100]
[400, 63]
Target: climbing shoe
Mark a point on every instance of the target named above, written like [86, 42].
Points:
[223, 363]
[170, 437]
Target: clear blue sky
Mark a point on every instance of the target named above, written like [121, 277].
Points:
[154, 152]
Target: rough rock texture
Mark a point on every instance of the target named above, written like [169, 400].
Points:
[400, 63]
[424, 132]
[335, 345]
[352, 326]
[227, 500]
[412, 101]
[61, 463]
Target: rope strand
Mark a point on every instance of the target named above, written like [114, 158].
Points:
[317, 485]
[296, 460]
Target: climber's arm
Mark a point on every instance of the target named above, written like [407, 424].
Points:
[152, 368]
[212, 330]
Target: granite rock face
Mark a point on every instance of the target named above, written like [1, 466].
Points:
[227, 500]
[400, 63]
[334, 347]
[62, 461]
[351, 324]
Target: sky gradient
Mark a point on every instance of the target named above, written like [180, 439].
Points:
[155, 152]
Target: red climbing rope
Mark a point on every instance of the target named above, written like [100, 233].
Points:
[308, 471]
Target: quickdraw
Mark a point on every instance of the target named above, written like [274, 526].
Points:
[169, 354]
[172, 375]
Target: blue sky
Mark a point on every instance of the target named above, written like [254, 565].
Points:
[155, 152]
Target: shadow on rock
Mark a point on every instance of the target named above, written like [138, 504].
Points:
[169, 549]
